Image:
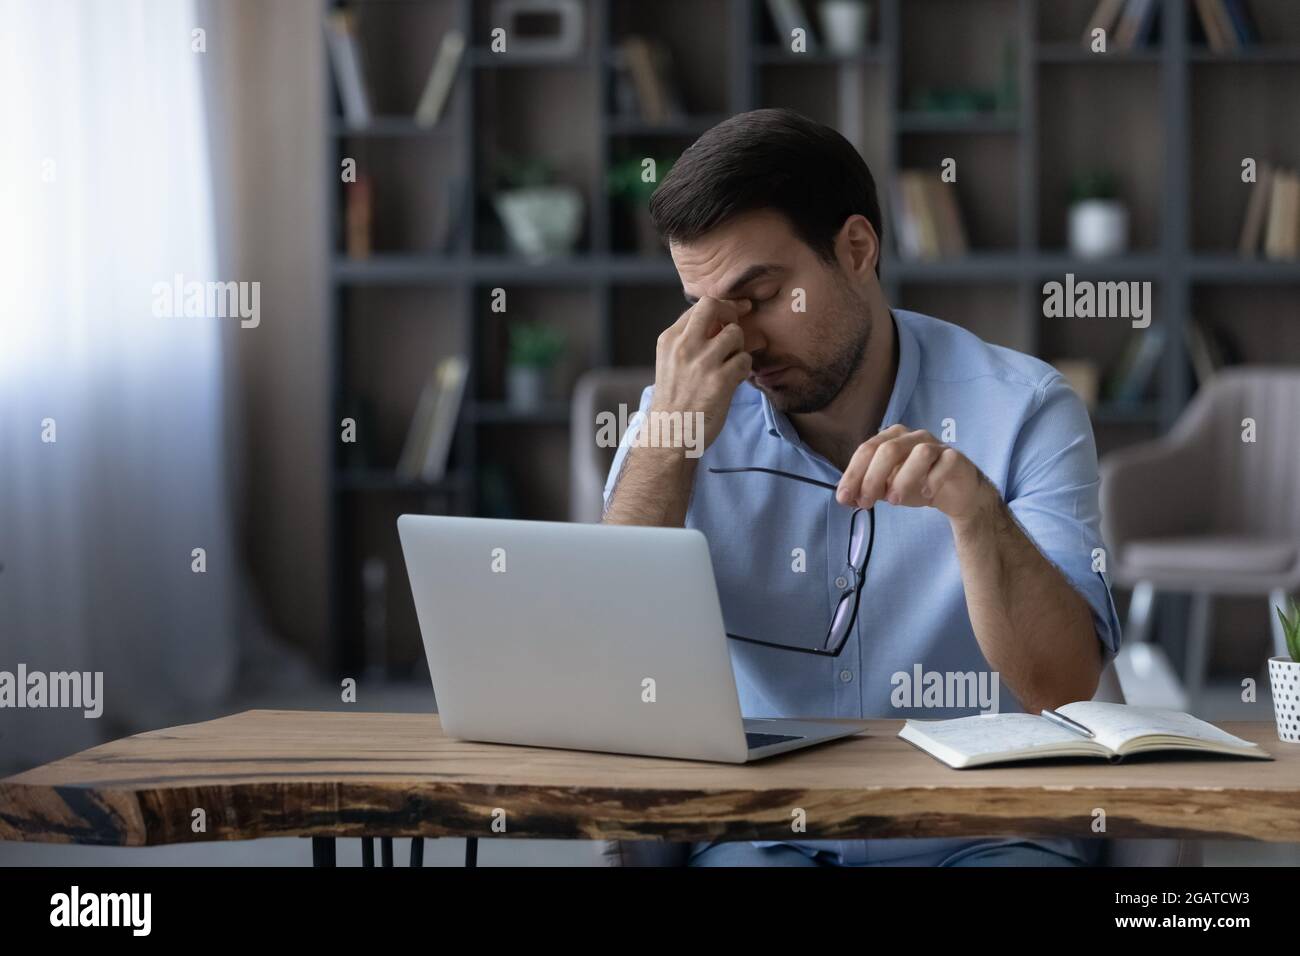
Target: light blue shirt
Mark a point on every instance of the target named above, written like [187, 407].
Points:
[1015, 417]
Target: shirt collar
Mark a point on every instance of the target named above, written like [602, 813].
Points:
[909, 360]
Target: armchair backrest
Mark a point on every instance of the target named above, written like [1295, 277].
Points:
[599, 390]
[1254, 484]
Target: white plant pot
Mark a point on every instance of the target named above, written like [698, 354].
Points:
[525, 388]
[844, 25]
[1098, 228]
[1284, 681]
[541, 222]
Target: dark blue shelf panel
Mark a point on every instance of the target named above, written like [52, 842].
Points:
[394, 269]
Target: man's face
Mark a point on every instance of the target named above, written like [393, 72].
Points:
[801, 360]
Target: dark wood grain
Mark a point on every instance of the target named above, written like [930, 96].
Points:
[286, 773]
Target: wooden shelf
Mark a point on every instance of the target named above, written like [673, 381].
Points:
[779, 56]
[924, 121]
[500, 413]
[372, 479]
[391, 127]
[1072, 53]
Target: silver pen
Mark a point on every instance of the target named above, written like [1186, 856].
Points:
[1062, 721]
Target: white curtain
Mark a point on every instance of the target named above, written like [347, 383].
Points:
[105, 191]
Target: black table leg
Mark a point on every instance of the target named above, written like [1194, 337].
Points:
[322, 852]
[386, 848]
[417, 851]
[471, 851]
[367, 851]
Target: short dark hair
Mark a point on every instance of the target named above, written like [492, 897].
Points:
[773, 159]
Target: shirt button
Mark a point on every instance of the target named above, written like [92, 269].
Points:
[841, 582]
[846, 676]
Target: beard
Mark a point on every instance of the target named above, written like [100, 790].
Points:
[845, 330]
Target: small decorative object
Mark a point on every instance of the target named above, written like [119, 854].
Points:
[533, 350]
[1284, 678]
[542, 220]
[542, 29]
[844, 25]
[627, 184]
[1098, 218]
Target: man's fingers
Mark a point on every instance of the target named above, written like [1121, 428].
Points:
[708, 316]
[944, 469]
[729, 340]
[908, 483]
[738, 366]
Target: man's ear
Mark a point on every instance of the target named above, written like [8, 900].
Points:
[857, 246]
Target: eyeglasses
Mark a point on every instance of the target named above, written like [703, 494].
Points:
[862, 535]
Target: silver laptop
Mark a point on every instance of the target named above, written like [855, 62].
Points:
[585, 637]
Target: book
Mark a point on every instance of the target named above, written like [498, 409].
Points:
[358, 214]
[1231, 40]
[1103, 18]
[942, 198]
[441, 77]
[649, 94]
[1136, 24]
[788, 16]
[1239, 15]
[1083, 376]
[1119, 730]
[1252, 227]
[1133, 386]
[433, 426]
[1280, 236]
[450, 378]
[1210, 25]
[411, 459]
[345, 57]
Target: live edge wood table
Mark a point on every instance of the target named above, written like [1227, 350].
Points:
[267, 773]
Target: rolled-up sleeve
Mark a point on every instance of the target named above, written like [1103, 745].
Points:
[633, 425]
[1052, 489]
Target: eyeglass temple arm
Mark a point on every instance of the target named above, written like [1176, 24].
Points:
[782, 474]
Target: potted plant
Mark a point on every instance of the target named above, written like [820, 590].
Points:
[542, 219]
[1098, 217]
[626, 183]
[1284, 678]
[533, 350]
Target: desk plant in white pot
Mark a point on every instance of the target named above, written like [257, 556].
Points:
[1098, 225]
[534, 347]
[1284, 678]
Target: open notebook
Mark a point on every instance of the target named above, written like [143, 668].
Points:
[1119, 730]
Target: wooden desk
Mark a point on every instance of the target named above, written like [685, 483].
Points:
[268, 773]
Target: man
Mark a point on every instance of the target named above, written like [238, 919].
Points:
[982, 553]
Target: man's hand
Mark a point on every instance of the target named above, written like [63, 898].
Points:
[701, 360]
[914, 469]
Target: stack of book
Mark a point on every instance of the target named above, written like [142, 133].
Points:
[428, 441]
[1228, 24]
[1272, 222]
[1129, 24]
[928, 220]
[341, 36]
[643, 81]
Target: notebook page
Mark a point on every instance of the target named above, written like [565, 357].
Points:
[1117, 724]
[995, 734]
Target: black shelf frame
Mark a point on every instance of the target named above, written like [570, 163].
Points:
[1173, 265]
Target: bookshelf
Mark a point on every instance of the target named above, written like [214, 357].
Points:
[1172, 119]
